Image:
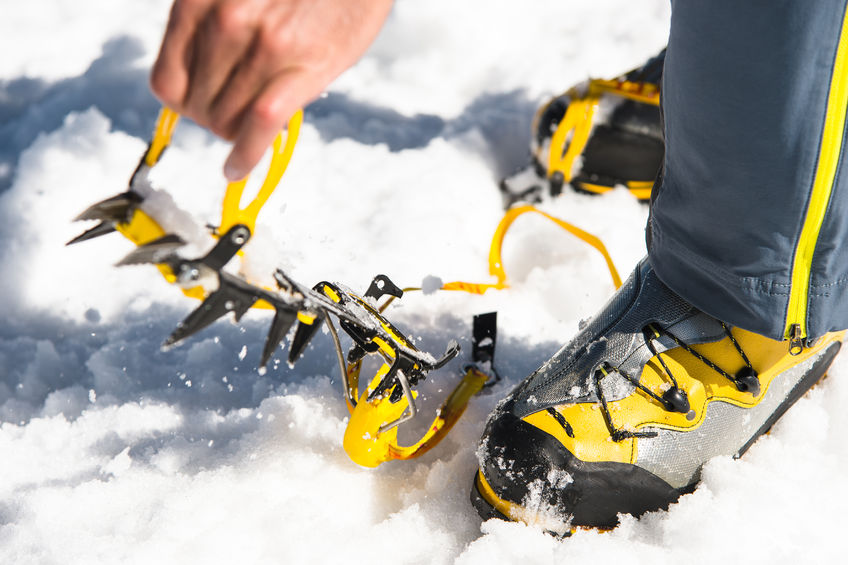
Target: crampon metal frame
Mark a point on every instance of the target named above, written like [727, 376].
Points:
[389, 398]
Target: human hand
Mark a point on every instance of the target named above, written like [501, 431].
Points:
[243, 67]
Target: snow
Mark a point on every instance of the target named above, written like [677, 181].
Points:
[114, 451]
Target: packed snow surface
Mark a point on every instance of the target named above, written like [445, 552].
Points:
[114, 451]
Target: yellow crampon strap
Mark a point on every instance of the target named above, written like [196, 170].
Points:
[370, 439]
[232, 213]
[571, 135]
[496, 267]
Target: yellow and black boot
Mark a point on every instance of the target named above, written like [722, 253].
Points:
[622, 419]
[598, 135]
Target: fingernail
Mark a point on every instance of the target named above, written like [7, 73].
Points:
[232, 172]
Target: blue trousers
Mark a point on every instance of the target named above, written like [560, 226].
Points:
[749, 221]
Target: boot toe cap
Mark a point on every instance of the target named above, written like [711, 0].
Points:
[526, 474]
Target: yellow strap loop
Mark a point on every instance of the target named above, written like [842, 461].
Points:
[496, 267]
[232, 213]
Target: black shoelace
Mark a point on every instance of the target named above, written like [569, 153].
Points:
[674, 399]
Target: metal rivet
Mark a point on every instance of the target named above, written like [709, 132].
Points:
[240, 235]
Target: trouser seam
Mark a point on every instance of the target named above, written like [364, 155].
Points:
[748, 284]
[752, 285]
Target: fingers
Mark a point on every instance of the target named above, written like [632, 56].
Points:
[277, 102]
[221, 42]
[243, 67]
[169, 79]
[256, 69]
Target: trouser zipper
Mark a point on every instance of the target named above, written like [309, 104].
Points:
[831, 146]
[796, 340]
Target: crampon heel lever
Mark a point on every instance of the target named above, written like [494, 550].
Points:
[389, 401]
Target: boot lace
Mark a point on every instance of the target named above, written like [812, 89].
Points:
[674, 399]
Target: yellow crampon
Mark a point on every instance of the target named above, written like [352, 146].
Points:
[572, 134]
[388, 400]
[295, 305]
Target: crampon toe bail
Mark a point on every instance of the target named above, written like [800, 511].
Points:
[371, 435]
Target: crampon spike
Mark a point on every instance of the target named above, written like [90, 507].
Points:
[283, 320]
[451, 351]
[233, 295]
[157, 251]
[100, 229]
[483, 341]
[109, 212]
[114, 209]
[228, 245]
[303, 334]
[285, 283]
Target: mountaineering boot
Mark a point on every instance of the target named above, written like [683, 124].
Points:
[622, 419]
[598, 135]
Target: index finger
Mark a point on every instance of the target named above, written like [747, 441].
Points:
[169, 78]
[279, 99]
